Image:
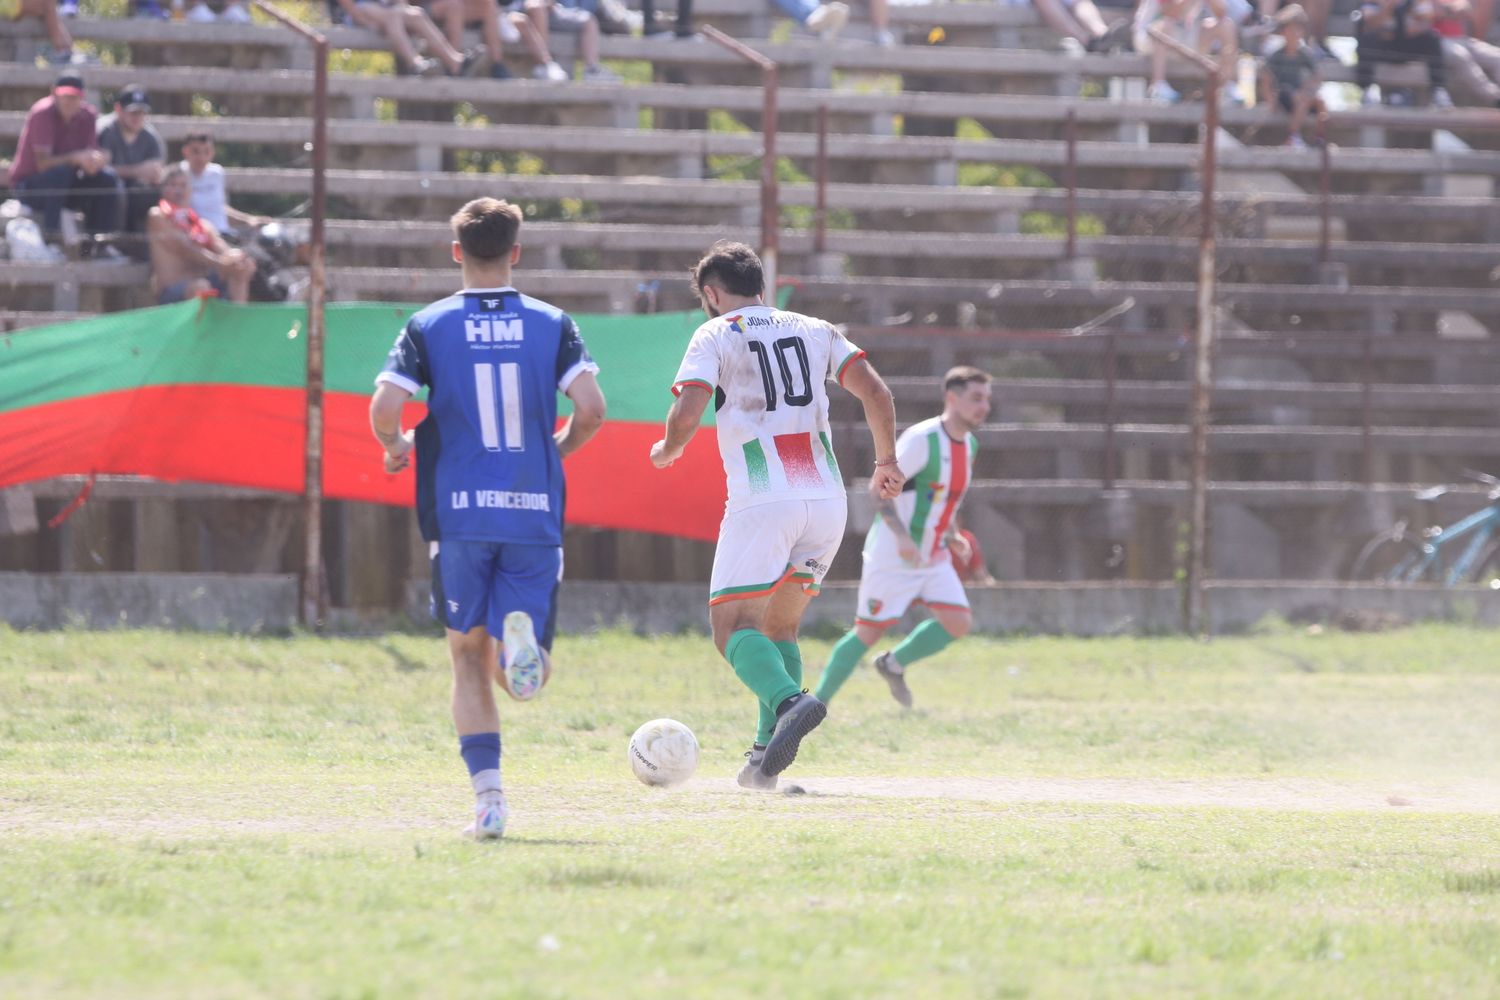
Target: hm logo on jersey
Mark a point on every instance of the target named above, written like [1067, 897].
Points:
[492, 331]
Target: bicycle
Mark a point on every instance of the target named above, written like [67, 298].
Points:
[1466, 551]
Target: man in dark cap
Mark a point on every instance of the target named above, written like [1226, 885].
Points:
[136, 153]
[58, 162]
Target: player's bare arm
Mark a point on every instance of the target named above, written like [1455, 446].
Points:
[588, 414]
[885, 508]
[682, 424]
[870, 389]
[385, 421]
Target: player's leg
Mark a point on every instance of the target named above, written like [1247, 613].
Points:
[522, 613]
[460, 574]
[750, 564]
[943, 593]
[886, 590]
[817, 544]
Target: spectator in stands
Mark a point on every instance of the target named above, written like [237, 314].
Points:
[1399, 31]
[825, 19]
[498, 28]
[398, 20]
[568, 19]
[209, 195]
[1262, 21]
[136, 154]
[1290, 77]
[1473, 64]
[234, 12]
[58, 164]
[59, 42]
[1081, 24]
[683, 27]
[188, 255]
[1202, 25]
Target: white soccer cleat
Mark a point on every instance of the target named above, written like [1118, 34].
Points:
[525, 670]
[490, 814]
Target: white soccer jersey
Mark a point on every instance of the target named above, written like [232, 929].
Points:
[766, 368]
[938, 470]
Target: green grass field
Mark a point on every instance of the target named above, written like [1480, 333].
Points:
[1282, 815]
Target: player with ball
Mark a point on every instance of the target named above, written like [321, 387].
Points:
[765, 369]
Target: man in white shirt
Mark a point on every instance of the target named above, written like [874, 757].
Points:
[766, 369]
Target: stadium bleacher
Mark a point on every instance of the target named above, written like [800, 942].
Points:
[1385, 375]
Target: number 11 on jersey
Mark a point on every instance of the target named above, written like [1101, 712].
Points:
[500, 406]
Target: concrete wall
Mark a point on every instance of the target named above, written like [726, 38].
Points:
[264, 603]
[212, 601]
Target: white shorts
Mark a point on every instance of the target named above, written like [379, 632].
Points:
[887, 588]
[762, 547]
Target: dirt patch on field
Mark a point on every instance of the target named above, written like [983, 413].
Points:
[1297, 794]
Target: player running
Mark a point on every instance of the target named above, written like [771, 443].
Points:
[765, 368]
[910, 549]
[489, 475]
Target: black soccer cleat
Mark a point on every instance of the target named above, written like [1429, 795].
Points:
[894, 679]
[800, 714]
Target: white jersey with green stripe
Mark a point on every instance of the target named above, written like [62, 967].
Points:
[767, 368]
[938, 470]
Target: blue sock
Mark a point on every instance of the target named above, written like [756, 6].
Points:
[481, 753]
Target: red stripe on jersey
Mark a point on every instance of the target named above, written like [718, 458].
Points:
[958, 453]
[795, 452]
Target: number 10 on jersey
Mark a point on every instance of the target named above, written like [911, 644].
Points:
[497, 389]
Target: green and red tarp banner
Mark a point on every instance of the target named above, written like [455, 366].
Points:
[209, 392]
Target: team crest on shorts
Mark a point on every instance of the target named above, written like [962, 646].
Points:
[875, 605]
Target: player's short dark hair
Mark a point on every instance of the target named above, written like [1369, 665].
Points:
[197, 137]
[734, 267]
[486, 228]
[961, 377]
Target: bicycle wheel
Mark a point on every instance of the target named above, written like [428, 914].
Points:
[1387, 558]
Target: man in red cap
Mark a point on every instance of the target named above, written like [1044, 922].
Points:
[58, 162]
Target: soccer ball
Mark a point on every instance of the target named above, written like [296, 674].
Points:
[663, 752]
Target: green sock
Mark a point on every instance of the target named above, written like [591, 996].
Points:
[792, 657]
[927, 638]
[760, 666]
[841, 664]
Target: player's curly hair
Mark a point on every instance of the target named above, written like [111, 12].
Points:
[486, 228]
[734, 267]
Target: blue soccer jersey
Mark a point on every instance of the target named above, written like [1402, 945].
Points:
[487, 464]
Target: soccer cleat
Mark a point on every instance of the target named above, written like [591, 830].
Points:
[1441, 98]
[490, 814]
[550, 71]
[751, 775]
[201, 13]
[896, 680]
[524, 667]
[598, 74]
[801, 715]
[235, 13]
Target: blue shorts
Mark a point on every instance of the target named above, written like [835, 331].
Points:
[479, 583]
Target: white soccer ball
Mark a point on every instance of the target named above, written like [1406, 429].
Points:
[663, 752]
